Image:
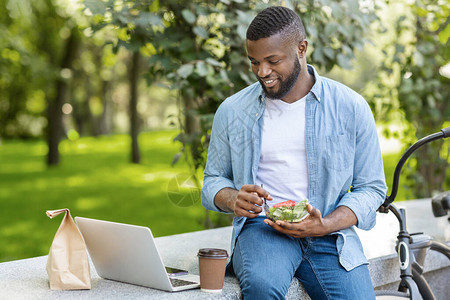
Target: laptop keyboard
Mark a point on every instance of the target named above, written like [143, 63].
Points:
[180, 282]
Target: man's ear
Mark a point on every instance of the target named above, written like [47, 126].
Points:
[302, 47]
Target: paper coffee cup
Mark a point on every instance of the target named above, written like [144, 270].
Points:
[212, 264]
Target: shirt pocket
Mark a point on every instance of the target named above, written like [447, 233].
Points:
[338, 152]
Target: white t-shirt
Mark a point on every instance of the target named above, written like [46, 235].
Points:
[282, 165]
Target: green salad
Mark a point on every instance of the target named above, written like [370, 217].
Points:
[289, 211]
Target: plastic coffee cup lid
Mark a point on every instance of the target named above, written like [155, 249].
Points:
[212, 253]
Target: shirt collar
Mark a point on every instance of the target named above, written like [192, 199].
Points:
[316, 90]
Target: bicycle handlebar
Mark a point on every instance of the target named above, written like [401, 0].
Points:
[444, 133]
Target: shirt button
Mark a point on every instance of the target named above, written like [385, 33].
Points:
[256, 114]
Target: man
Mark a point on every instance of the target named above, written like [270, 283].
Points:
[299, 135]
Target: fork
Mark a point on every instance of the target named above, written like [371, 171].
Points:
[265, 206]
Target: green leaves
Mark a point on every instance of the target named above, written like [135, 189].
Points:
[412, 63]
[203, 69]
[200, 31]
[335, 29]
[188, 16]
[213, 62]
[96, 7]
[444, 34]
[185, 70]
[344, 61]
[145, 19]
[200, 68]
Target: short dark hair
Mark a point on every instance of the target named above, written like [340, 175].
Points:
[274, 20]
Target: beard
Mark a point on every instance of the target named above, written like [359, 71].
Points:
[285, 85]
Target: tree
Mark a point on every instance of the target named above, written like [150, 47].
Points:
[134, 23]
[134, 118]
[412, 81]
[41, 40]
[55, 124]
[60, 54]
[93, 71]
[22, 88]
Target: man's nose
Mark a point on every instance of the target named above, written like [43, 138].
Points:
[264, 70]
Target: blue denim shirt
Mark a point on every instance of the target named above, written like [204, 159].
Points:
[344, 160]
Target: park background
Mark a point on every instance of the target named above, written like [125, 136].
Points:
[106, 106]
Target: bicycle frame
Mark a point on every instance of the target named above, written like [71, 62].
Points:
[412, 248]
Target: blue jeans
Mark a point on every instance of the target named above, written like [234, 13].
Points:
[265, 261]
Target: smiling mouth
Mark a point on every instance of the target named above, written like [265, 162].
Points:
[269, 82]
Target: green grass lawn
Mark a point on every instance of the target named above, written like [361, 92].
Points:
[95, 179]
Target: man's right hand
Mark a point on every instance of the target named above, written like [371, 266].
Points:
[243, 203]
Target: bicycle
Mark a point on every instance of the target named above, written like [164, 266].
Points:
[412, 248]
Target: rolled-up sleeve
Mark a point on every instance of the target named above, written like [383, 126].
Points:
[218, 170]
[368, 189]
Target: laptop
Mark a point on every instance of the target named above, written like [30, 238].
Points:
[128, 253]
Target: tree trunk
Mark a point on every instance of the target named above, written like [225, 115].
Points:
[81, 111]
[134, 118]
[55, 125]
[192, 127]
[104, 121]
[90, 118]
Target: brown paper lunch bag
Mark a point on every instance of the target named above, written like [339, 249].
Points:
[68, 264]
